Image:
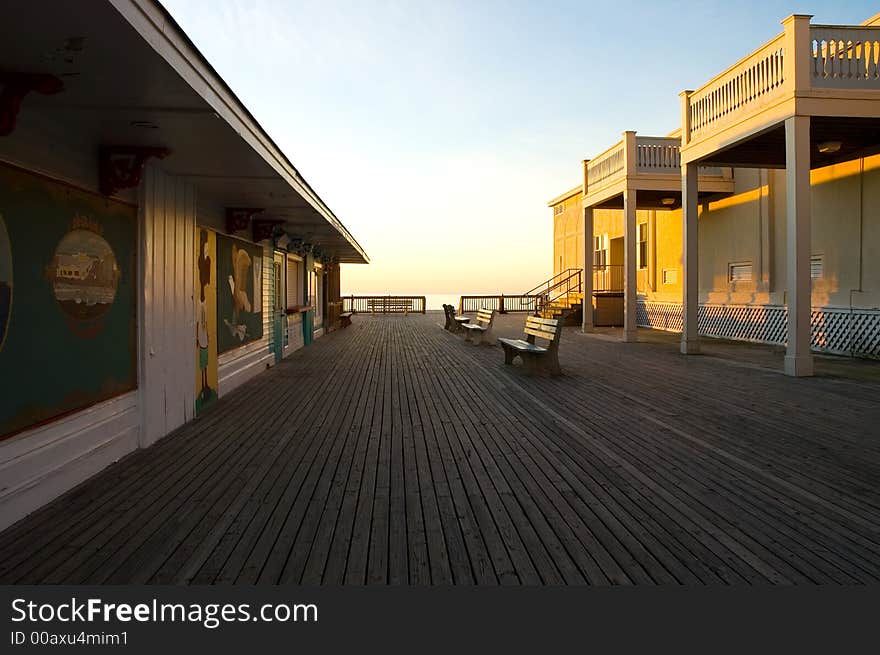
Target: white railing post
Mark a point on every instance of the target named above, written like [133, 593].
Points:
[796, 49]
[630, 153]
[685, 117]
[586, 181]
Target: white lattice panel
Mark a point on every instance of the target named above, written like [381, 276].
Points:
[659, 315]
[841, 331]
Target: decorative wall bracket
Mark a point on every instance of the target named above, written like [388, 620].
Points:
[239, 218]
[295, 246]
[121, 167]
[265, 228]
[15, 87]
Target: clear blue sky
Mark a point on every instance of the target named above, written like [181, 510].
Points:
[437, 131]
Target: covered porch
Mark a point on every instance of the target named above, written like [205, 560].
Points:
[638, 172]
[412, 457]
[807, 99]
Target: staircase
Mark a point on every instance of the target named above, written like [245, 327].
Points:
[560, 297]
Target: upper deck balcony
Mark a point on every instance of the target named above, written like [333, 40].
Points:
[649, 165]
[828, 72]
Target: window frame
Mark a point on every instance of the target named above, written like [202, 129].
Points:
[642, 245]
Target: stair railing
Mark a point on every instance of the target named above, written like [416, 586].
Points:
[549, 285]
[560, 292]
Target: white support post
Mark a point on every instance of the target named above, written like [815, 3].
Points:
[798, 358]
[630, 239]
[587, 273]
[690, 329]
[629, 269]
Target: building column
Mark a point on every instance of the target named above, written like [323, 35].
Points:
[587, 272]
[690, 307]
[630, 239]
[798, 358]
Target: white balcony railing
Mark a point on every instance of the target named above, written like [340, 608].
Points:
[752, 82]
[658, 154]
[803, 57]
[654, 155]
[607, 165]
[845, 57]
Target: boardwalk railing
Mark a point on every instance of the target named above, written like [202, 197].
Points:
[384, 304]
[502, 303]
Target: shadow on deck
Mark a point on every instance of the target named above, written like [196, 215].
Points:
[392, 452]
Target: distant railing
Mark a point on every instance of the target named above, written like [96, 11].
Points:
[753, 81]
[661, 154]
[607, 164]
[845, 57]
[384, 304]
[608, 278]
[657, 155]
[502, 303]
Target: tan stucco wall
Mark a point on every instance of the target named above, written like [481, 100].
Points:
[568, 235]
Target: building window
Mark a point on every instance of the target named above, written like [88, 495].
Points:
[643, 245]
[600, 250]
[817, 268]
[740, 272]
[294, 281]
[670, 276]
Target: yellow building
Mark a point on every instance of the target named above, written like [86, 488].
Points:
[742, 239]
[786, 219]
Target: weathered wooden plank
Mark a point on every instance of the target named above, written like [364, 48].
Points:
[408, 457]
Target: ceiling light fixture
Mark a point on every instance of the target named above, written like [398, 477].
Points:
[668, 201]
[829, 147]
[146, 125]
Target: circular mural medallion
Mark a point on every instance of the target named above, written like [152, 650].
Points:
[84, 274]
[5, 281]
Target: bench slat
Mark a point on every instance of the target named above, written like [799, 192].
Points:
[525, 346]
[540, 333]
[545, 322]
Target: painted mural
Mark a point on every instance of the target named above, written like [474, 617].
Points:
[5, 281]
[69, 331]
[83, 272]
[206, 318]
[239, 296]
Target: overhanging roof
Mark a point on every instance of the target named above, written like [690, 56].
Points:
[126, 63]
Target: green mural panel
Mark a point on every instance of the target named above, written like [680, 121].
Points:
[239, 292]
[68, 294]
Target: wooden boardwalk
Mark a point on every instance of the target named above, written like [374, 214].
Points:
[394, 453]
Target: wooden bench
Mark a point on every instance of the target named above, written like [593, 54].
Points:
[345, 319]
[482, 328]
[453, 322]
[532, 355]
[389, 305]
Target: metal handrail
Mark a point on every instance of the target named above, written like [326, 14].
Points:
[549, 285]
[573, 285]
